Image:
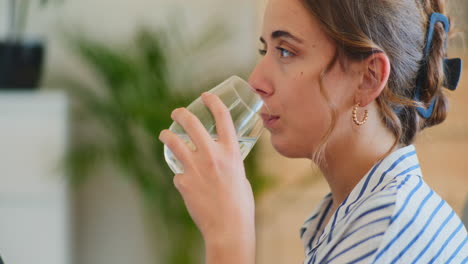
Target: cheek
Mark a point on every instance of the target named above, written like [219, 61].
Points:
[308, 103]
[307, 118]
[341, 88]
[312, 115]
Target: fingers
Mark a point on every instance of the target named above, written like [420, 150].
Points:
[193, 127]
[224, 124]
[179, 183]
[177, 146]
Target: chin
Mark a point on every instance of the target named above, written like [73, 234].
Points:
[289, 150]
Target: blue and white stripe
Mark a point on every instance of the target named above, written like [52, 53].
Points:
[391, 216]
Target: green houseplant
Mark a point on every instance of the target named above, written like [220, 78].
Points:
[137, 89]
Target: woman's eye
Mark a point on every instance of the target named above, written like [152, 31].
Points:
[284, 53]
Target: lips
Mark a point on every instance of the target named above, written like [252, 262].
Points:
[267, 117]
[269, 120]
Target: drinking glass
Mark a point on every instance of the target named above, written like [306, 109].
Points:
[243, 104]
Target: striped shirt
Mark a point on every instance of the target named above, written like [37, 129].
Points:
[391, 216]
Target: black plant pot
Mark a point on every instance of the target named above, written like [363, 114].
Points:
[20, 65]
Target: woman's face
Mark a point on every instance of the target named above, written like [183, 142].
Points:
[295, 53]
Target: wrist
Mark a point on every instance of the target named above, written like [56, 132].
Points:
[227, 249]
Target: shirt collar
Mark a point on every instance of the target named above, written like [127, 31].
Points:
[401, 162]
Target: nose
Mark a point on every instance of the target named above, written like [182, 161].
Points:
[260, 79]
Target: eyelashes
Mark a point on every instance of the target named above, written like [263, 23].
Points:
[283, 53]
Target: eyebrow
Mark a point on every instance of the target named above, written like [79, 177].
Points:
[281, 33]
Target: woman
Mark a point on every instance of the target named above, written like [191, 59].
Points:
[348, 84]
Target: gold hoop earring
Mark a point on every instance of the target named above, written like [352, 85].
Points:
[355, 119]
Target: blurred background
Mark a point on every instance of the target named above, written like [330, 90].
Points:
[85, 88]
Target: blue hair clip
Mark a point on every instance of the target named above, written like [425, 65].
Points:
[452, 67]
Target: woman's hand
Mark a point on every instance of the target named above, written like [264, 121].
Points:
[214, 187]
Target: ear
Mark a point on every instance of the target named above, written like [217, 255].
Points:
[375, 73]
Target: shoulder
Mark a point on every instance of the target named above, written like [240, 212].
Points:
[405, 221]
[422, 228]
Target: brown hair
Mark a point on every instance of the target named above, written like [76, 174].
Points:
[397, 28]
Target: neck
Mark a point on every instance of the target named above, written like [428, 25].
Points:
[348, 160]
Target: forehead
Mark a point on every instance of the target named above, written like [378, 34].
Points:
[291, 16]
